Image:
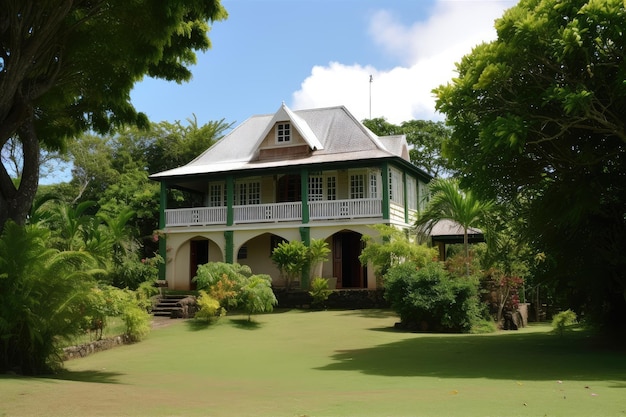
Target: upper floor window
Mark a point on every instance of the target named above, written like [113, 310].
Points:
[396, 187]
[283, 132]
[316, 188]
[217, 196]
[248, 193]
[411, 192]
[357, 186]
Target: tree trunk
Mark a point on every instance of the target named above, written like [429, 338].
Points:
[16, 201]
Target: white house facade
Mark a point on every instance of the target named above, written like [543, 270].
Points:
[291, 175]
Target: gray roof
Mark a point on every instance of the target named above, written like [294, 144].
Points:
[333, 134]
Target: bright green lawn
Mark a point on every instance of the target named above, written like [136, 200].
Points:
[331, 363]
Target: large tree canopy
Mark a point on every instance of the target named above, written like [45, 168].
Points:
[68, 66]
[538, 119]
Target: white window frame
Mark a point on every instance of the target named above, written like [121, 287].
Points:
[217, 195]
[396, 188]
[283, 132]
[357, 186]
[411, 192]
[247, 193]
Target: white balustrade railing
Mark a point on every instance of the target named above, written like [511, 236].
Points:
[260, 213]
[198, 216]
[276, 212]
[342, 209]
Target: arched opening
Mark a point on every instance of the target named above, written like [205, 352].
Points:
[198, 255]
[347, 268]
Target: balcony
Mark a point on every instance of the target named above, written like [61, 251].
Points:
[276, 212]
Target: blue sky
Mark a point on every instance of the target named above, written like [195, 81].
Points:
[319, 53]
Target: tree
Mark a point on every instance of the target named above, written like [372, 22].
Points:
[425, 139]
[69, 66]
[448, 201]
[538, 116]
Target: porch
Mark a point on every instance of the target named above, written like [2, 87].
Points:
[276, 212]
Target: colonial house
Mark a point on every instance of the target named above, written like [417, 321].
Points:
[306, 174]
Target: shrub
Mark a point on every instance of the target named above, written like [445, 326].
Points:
[222, 281]
[291, 259]
[319, 291]
[209, 308]
[562, 320]
[257, 296]
[394, 248]
[429, 298]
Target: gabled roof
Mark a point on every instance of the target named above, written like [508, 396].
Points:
[332, 134]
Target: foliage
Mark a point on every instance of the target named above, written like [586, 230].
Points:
[44, 294]
[563, 320]
[319, 291]
[537, 118]
[291, 259]
[222, 281]
[391, 248]
[425, 139]
[64, 79]
[209, 308]
[256, 295]
[449, 202]
[234, 286]
[318, 251]
[429, 298]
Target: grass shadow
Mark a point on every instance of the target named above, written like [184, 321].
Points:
[521, 356]
[245, 324]
[196, 325]
[373, 313]
[99, 377]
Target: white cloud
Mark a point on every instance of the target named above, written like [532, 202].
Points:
[427, 52]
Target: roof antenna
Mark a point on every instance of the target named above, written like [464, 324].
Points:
[371, 79]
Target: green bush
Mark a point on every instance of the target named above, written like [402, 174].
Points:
[319, 291]
[291, 259]
[429, 298]
[209, 308]
[562, 320]
[256, 295]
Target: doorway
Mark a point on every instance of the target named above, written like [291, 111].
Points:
[198, 255]
[347, 268]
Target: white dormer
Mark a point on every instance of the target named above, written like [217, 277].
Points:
[286, 136]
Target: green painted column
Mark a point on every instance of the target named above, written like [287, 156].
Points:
[229, 250]
[304, 191]
[162, 239]
[385, 203]
[230, 200]
[305, 236]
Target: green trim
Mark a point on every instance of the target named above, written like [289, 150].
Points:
[305, 236]
[229, 250]
[304, 191]
[385, 202]
[230, 200]
[162, 239]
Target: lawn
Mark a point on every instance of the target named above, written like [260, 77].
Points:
[331, 363]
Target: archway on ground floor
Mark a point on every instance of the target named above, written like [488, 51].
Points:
[256, 252]
[346, 248]
[201, 251]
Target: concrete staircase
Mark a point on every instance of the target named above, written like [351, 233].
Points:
[168, 306]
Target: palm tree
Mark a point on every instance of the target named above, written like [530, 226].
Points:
[449, 202]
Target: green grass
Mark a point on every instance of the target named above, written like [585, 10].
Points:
[331, 363]
[114, 327]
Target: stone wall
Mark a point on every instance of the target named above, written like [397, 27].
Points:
[80, 351]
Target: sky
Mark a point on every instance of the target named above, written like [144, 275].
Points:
[321, 53]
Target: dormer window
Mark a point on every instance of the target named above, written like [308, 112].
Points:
[283, 133]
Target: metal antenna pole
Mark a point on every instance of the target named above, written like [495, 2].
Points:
[371, 79]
